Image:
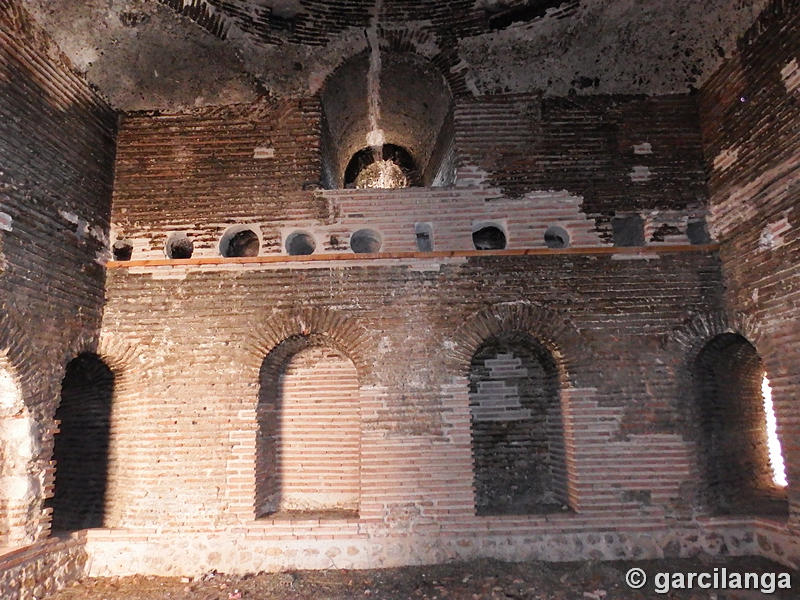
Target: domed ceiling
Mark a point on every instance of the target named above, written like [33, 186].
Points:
[174, 54]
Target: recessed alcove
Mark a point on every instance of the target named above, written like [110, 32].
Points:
[414, 124]
[489, 236]
[122, 250]
[366, 241]
[517, 427]
[82, 445]
[308, 445]
[732, 429]
[300, 243]
[556, 237]
[179, 246]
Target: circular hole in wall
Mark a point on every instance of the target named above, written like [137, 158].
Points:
[365, 241]
[556, 237]
[122, 250]
[489, 237]
[300, 243]
[388, 167]
[179, 246]
[239, 241]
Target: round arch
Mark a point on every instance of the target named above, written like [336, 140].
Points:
[551, 329]
[311, 367]
[415, 104]
[722, 361]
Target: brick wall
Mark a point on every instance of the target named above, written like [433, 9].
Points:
[612, 435]
[750, 110]
[530, 161]
[621, 154]
[205, 170]
[191, 464]
[56, 164]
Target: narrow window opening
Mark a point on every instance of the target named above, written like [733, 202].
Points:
[489, 237]
[775, 451]
[365, 241]
[387, 167]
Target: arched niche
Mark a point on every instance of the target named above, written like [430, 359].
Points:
[517, 426]
[81, 445]
[731, 429]
[415, 116]
[309, 431]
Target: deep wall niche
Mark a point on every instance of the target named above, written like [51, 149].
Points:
[414, 106]
[731, 429]
[517, 427]
[82, 444]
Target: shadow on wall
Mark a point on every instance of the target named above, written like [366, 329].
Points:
[731, 430]
[81, 445]
[309, 431]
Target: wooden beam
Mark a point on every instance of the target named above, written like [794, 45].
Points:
[347, 256]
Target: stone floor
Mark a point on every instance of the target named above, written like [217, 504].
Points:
[475, 580]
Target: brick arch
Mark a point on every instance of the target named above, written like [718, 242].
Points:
[281, 339]
[550, 328]
[690, 339]
[689, 345]
[122, 357]
[323, 326]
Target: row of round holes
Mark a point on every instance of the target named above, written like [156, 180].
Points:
[242, 242]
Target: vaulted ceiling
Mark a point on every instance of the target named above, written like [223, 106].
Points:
[171, 54]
